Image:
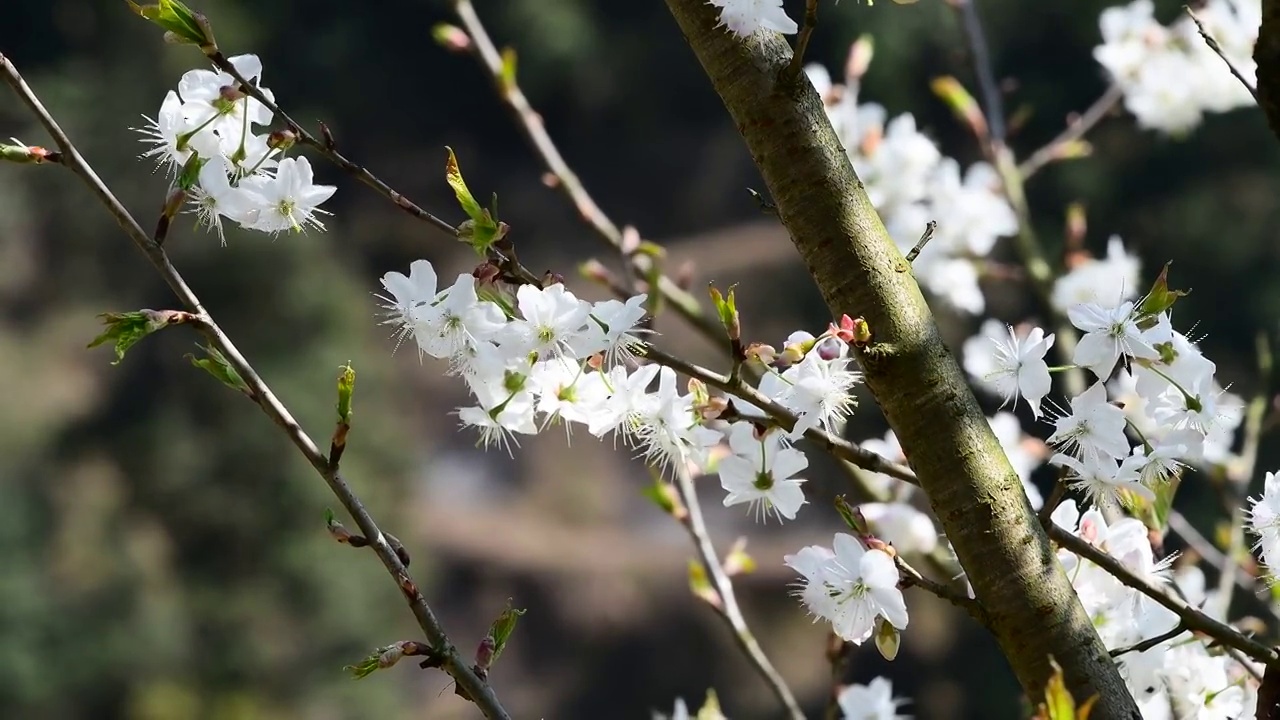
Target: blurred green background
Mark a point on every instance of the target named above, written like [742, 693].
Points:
[162, 547]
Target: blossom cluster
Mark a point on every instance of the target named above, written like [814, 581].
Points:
[1178, 673]
[1171, 400]
[540, 356]
[1169, 74]
[911, 182]
[204, 136]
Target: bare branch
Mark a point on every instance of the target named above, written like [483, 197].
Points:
[837, 446]
[1077, 128]
[531, 124]
[470, 685]
[1192, 617]
[326, 147]
[796, 66]
[728, 609]
[1217, 49]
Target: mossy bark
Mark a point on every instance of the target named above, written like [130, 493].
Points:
[1034, 612]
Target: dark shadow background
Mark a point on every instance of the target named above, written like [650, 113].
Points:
[162, 548]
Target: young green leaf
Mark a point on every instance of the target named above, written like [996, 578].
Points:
[502, 628]
[346, 388]
[126, 329]
[217, 366]
[184, 24]
[481, 230]
[1159, 299]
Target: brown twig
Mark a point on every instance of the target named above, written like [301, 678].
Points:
[728, 609]
[535, 131]
[796, 66]
[1195, 619]
[912, 578]
[837, 446]
[1150, 642]
[1076, 130]
[469, 684]
[1002, 158]
[838, 657]
[327, 148]
[976, 38]
[1217, 49]
[925, 237]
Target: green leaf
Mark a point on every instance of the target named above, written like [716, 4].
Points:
[453, 174]
[663, 495]
[1058, 703]
[379, 659]
[189, 176]
[217, 366]
[480, 230]
[1159, 299]
[700, 584]
[126, 329]
[710, 709]
[186, 25]
[346, 388]
[737, 561]
[502, 628]
[951, 92]
[851, 516]
[727, 311]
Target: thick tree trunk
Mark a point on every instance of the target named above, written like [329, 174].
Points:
[1267, 54]
[1034, 613]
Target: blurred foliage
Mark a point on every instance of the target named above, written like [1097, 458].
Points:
[162, 548]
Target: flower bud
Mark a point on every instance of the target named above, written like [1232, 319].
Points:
[230, 93]
[860, 54]
[789, 356]
[487, 273]
[713, 408]
[20, 152]
[551, 277]
[595, 270]
[761, 352]
[451, 37]
[875, 543]
[852, 516]
[630, 240]
[830, 349]
[281, 139]
[484, 652]
[684, 275]
[888, 639]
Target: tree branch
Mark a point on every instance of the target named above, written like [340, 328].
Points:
[728, 609]
[470, 685]
[327, 148]
[1077, 128]
[976, 39]
[974, 492]
[1192, 617]
[1217, 49]
[1266, 53]
[535, 131]
[837, 446]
